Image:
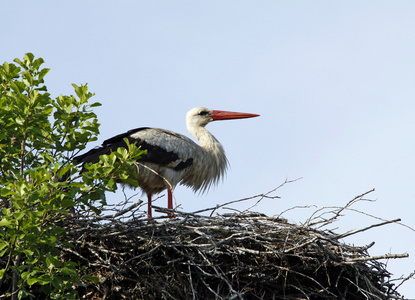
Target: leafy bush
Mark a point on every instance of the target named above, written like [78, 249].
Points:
[39, 183]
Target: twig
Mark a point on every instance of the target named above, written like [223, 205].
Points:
[341, 236]
[227, 256]
[386, 256]
[121, 212]
[261, 196]
[336, 213]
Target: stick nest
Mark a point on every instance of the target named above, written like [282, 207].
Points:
[229, 256]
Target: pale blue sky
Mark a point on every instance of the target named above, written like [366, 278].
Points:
[334, 82]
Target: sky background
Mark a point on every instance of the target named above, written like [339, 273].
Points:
[333, 81]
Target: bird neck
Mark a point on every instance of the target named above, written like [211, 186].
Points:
[210, 163]
[210, 144]
[206, 139]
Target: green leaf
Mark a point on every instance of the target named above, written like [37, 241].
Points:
[62, 171]
[4, 192]
[58, 282]
[68, 271]
[67, 203]
[96, 104]
[19, 214]
[31, 281]
[3, 244]
[52, 262]
[43, 279]
[19, 121]
[22, 294]
[91, 278]
[43, 72]
[47, 289]
[28, 58]
[32, 261]
[5, 222]
[36, 133]
[28, 252]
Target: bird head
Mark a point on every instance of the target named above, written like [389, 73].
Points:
[201, 116]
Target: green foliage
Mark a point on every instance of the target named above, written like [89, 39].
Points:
[39, 136]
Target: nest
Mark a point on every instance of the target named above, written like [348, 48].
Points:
[242, 255]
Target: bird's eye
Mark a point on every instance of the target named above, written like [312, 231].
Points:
[203, 113]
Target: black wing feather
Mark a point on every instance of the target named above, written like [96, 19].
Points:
[155, 154]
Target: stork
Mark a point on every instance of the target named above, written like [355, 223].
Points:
[173, 158]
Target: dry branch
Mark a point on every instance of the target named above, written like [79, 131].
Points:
[244, 255]
[230, 256]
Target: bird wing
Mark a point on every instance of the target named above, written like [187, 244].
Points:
[164, 147]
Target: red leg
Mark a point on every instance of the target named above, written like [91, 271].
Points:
[169, 199]
[170, 202]
[149, 205]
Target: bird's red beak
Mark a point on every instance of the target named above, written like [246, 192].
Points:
[228, 115]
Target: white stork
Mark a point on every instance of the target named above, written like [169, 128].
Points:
[173, 158]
